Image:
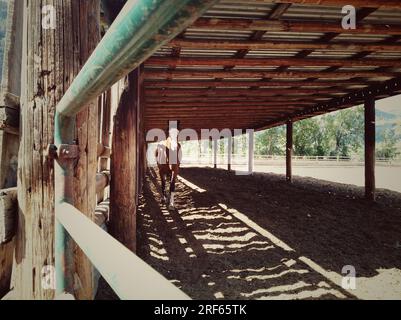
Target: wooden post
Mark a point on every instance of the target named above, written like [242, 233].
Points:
[8, 222]
[215, 153]
[51, 59]
[370, 148]
[9, 122]
[289, 150]
[105, 128]
[104, 123]
[140, 130]
[250, 151]
[124, 161]
[229, 152]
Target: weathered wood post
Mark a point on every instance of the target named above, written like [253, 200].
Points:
[370, 148]
[124, 162]
[250, 151]
[229, 152]
[9, 130]
[105, 128]
[52, 56]
[215, 153]
[289, 151]
[140, 131]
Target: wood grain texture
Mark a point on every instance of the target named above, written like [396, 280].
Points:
[51, 59]
[124, 160]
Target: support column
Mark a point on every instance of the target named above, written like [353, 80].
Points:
[105, 128]
[289, 150]
[370, 148]
[250, 151]
[140, 130]
[215, 153]
[229, 152]
[124, 162]
[51, 59]
[10, 92]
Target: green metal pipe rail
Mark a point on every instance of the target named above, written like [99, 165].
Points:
[139, 30]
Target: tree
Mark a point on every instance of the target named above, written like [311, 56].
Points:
[310, 138]
[387, 148]
[271, 141]
[345, 130]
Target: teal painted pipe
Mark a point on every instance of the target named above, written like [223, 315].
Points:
[64, 133]
[139, 30]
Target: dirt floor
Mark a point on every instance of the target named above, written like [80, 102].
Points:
[258, 237]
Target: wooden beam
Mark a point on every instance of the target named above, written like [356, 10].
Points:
[387, 88]
[219, 108]
[392, 4]
[162, 93]
[370, 142]
[282, 45]
[9, 100]
[259, 62]
[243, 83]
[289, 150]
[9, 120]
[166, 74]
[229, 99]
[293, 26]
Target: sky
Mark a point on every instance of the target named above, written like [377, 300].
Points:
[390, 105]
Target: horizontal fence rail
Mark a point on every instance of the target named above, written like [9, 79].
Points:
[128, 275]
[240, 159]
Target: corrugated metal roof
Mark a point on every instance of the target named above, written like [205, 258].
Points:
[308, 12]
[309, 81]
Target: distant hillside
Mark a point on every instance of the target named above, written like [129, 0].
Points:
[387, 121]
[3, 20]
[385, 116]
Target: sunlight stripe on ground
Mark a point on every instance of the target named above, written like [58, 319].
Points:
[290, 287]
[256, 227]
[305, 294]
[191, 185]
[268, 276]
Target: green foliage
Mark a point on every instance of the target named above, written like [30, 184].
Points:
[345, 132]
[339, 133]
[310, 138]
[270, 142]
[387, 148]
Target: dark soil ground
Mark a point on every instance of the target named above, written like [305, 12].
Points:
[258, 237]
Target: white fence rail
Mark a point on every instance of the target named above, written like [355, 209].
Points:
[241, 159]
